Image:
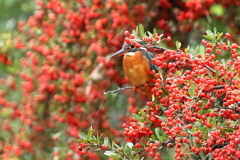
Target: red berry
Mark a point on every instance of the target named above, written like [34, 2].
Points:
[169, 38]
[218, 51]
[126, 33]
[228, 35]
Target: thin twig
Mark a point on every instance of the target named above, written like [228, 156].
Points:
[116, 90]
[209, 68]
[119, 89]
[217, 87]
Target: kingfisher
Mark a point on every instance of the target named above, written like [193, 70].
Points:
[137, 64]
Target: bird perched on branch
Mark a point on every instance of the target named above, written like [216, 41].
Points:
[137, 64]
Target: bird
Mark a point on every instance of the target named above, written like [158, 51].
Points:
[137, 64]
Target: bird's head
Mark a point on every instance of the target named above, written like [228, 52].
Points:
[130, 49]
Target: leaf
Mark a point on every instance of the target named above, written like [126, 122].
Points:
[205, 131]
[109, 153]
[209, 32]
[137, 117]
[192, 90]
[149, 34]
[215, 30]
[202, 155]
[186, 50]
[237, 78]
[210, 75]
[178, 44]
[212, 38]
[217, 73]
[141, 30]
[154, 31]
[136, 35]
[223, 62]
[90, 133]
[179, 72]
[114, 145]
[195, 51]
[136, 157]
[189, 130]
[228, 43]
[129, 144]
[210, 157]
[204, 111]
[165, 92]
[217, 9]
[83, 136]
[143, 114]
[202, 51]
[157, 132]
[219, 36]
[163, 117]
[106, 141]
[115, 157]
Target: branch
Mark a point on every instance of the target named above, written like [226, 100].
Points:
[116, 90]
[119, 89]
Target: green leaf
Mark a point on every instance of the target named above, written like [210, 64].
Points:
[217, 73]
[157, 132]
[210, 157]
[149, 34]
[83, 136]
[228, 43]
[209, 32]
[115, 157]
[215, 30]
[195, 51]
[210, 37]
[204, 111]
[237, 78]
[179, 72]
[163, 117]
[189, 130]
[202, 51]
[137, 117]
[90, 133]
[219, 36]
[165, 92]
[143, 114]
[223, 62]
[109, 153]
[205, 131]
[106, 141]
[217, 9]
[178, 44]
[210, 75]
[136, 32]
[192, 90]
[136, 157]
[202, 155]
[114, 145]
[154, 31]
[141, 30]
[129, 144]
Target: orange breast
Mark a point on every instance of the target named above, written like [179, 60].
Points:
[136, 68]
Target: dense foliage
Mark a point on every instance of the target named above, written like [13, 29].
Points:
[54, 91]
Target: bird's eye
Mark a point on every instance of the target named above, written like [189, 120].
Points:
[128, 47]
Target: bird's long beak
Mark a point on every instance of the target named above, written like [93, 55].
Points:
[118, 53]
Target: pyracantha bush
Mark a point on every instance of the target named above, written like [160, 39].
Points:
[57, 69]
[196, 107]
